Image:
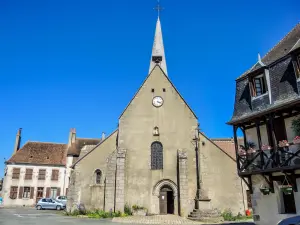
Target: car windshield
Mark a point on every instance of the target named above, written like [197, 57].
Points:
[63, 197]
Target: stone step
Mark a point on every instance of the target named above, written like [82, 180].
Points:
[204, 214]
[207, 219]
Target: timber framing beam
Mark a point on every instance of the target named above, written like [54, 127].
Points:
[269, 180]
[290, 113]
[248, 182]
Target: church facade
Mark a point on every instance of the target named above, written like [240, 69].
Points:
[150, 159]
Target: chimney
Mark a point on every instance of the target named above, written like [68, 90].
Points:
[72, 136]
[18, 141]
[103, 136]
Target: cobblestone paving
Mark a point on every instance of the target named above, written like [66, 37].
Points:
[167, 219]
[28, 216]
[158, 219]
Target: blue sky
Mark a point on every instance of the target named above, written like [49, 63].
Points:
[67, 64]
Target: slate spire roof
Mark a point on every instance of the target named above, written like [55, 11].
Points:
[158, 49]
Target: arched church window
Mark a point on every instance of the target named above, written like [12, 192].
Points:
[98, 175]
[156, 156]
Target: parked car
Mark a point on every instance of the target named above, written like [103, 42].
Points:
[295, 220]
[62, 199]
[48, 203]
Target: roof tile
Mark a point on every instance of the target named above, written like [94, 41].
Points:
[41, 153]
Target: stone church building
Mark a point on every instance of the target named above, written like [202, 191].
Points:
[150, 159]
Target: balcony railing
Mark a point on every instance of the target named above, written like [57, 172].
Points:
[278, 159]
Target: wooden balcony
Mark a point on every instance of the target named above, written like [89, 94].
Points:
[283, 159]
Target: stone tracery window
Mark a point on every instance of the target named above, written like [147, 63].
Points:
[98, 175]
[156, 156]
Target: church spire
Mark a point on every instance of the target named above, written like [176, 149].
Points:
[158, 51]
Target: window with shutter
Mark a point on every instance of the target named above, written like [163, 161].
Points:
[298, 66]
[28, 174]
[26, 192]
[48, 191]
[53, 192]
[13, 192]
[54, 175]
[58, 192]
[156, 156]
[40, 191]
[42, 174]
[21, 192]
[31, 192]
[16, 173]
[258, 85]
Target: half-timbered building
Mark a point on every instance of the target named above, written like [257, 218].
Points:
[266, 111]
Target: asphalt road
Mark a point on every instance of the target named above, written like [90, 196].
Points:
[31, 216]
[26, 216]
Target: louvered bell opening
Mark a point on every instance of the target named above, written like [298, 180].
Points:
[157, 59]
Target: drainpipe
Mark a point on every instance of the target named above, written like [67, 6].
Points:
[65, 171]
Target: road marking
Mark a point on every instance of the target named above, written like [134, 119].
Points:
[34, 215]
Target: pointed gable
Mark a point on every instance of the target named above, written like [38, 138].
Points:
[157, 67]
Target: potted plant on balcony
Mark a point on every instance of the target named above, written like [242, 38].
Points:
[265, 190]
[287, 189]
[266, 147]
[242, 152]
[251, 151]
[296, 140]
[283, 143]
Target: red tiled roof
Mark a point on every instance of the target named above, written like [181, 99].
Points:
[40, 153]
[76, 147]
[227, 145]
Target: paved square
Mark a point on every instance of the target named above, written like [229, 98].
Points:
[31, 216]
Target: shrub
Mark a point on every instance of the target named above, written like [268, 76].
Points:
[127, 209]
[74, 213]
[97, 214]
[136, 207]
[228, 216]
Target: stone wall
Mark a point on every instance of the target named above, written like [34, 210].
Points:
[85, 190]
[110, 180]
[183, 182]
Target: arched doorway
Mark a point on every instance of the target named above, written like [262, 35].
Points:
[166, 200]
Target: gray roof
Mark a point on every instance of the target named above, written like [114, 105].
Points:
[289, 43]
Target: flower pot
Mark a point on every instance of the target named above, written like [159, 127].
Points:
[139, 212]
[265, 191]
[287, 190]
[296, 141]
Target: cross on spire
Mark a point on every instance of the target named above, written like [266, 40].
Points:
[158, 8]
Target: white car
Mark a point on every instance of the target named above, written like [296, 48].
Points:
[62, 199]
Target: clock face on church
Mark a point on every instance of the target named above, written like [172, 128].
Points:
[157, 101]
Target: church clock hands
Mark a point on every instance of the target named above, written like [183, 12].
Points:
[157, 101]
